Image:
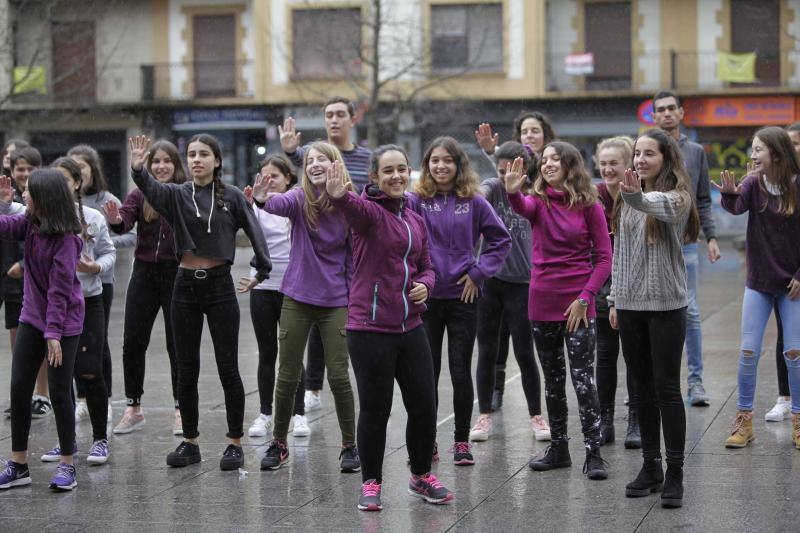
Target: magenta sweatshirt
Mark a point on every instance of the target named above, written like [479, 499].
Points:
[561, 258]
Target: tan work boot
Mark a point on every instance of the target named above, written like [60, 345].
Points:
[796, 430]
[741, 430]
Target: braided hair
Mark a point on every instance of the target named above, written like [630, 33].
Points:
[71, 167]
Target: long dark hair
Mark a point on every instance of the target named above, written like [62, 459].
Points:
[785, 168]
[467, 183]
[547, 128]
[178, 176]
[92, 158]
[213, 143]
[75, 171]
[53, 202]
[578, 186]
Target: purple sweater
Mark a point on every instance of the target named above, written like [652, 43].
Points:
[52, 301]
[390, 253]
[321, 259]
[154, 240]
[773, 239]
[563, 239]
[455, 226]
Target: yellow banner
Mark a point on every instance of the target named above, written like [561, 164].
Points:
[30, 79]
[737, 68]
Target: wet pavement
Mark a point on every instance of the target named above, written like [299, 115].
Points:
[757, 488]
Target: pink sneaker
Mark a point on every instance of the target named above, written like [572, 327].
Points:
[482, 429]
[462, 454]
[370, 499]
[540, 428]
[429, 488]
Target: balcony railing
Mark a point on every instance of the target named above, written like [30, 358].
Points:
[648, 71]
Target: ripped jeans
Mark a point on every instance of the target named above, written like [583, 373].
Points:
[756, 308]
[549, 338]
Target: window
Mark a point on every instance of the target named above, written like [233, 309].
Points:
[467, 37]
[74, 77]
[755, 27]
[610, 42]
[326, 43]
[214, 56]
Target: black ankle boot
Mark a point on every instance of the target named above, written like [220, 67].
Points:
[606, 425]
[650, 479]
[555, 456]
[595, 466]
[672, 496]
[633, 439]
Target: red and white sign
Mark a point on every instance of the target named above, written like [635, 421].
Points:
[579, 64]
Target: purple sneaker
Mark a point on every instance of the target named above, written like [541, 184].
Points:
[64, 479]
[14, 475]
[429, 488]
[98, 454]
[54, 455]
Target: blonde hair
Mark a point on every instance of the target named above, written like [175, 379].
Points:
[578, 186]
[467, 183]
[313, 204]
[623, 143]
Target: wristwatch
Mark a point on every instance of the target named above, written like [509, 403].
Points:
[583, 302]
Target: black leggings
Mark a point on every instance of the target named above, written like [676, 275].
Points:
[652, 344]
[505, 303]
[378, 360]
[550, 338]
[314, 375]
[503, 341]
[108, 299]
[780, 362]
[192, 300]
[149, 289]
[607, 355]
[30, 349]
[460, 321]
[89, 365]
[265, 311]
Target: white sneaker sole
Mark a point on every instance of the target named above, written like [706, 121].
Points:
[17, 483]
[301, 432]
[255, 431]
[478, 436]
[95, 460]
[777, 417]
[541, 435]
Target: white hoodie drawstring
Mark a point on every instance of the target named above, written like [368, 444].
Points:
[197, 209]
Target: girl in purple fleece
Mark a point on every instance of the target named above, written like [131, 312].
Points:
[567, 223]
[51, 320]
[392, 278]
[456, 215]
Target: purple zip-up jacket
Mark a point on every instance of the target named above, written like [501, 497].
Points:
[155, 242]
[454, 227]
[390, 254]
[321, 258]
[52, 301]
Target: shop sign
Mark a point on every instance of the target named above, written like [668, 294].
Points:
[579, 64]
[739, 111]
[645, 113]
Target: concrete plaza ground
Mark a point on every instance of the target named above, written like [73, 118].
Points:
[754, 489]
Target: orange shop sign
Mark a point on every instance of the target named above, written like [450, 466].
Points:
[740, 111]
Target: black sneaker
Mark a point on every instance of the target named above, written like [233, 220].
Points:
[40, 407]
[277, 455]
[672, 495]
[595, 466]
[184, 455]
[350, 461]
[633, 437]
[650, 479]
[232, 458]
[555, 456]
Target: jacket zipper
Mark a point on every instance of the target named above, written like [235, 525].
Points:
[374, 301]
[405, 278]
[158, 239]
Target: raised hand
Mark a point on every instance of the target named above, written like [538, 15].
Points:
[485, 139]
[6, 190]
[290, 138]
[260, 188]
[334, 180]
[728, 183]
[631, 183]
[138, 145]
[248, 194]
[514, 177]
[111, 212]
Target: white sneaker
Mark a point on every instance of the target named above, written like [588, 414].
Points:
[540, 428]
[312, 401]
[110, 415]
[261, 426]
[482, 429]
[780, 412]
[81, 411]
[301, 428]
[177, 426]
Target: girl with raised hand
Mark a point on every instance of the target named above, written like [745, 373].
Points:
[504, 302]
[95, 194]
[392, 278]
[266, 300]
[205, 215]
[613, 156]
[770, 194]
[51, 320]
[648, 300]
[456, 215]
[567, 225]
[151, 284]
[315, 289]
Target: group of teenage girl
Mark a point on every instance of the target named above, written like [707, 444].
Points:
[346, 253]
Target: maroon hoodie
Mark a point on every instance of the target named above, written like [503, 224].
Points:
[390, 253]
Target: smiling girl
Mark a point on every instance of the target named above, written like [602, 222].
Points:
[456, 215]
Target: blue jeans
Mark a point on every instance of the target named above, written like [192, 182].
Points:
[694, 336]
[756, 309]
